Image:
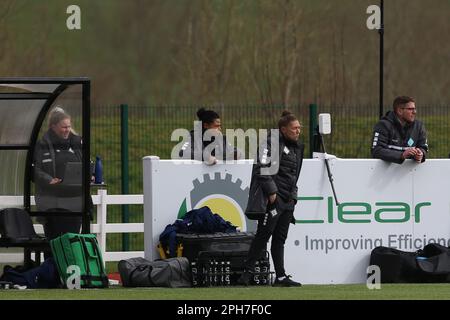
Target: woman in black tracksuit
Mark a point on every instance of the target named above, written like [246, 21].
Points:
[274, 194]
[58, 146]
[194, 147]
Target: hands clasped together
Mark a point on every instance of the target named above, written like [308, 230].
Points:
[413, 152]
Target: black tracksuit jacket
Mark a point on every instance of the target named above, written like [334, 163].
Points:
[390, 138]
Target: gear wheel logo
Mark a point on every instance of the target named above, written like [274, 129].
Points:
[222, 196]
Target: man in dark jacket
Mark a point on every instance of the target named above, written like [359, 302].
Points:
[398, 135]
[275, 196]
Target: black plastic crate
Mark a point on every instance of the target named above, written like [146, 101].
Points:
[224, 269]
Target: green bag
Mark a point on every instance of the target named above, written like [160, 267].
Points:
[81, 250]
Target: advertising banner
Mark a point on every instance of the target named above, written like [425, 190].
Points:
[380, 204]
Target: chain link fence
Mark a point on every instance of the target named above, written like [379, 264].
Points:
[150, 129]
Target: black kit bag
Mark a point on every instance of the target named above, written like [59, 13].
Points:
[396, 266]
[432, 264]
[140, 272]
[45, 276]
[195, 243]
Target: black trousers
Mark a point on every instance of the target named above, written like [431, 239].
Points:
[275, 226]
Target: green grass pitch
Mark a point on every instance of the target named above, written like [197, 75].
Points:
[307, 292]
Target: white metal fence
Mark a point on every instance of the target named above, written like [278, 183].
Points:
[102, 200]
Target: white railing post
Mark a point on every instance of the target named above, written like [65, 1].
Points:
[101, 219]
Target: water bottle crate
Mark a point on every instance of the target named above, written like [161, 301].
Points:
[223, 269]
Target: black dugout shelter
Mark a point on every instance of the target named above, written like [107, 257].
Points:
[25, 105]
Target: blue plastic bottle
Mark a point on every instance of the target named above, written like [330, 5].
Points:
[98, 170]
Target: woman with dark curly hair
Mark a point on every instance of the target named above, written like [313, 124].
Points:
[212, 145]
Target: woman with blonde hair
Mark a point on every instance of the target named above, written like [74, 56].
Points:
[58, 146]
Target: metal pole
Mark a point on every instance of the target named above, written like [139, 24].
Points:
[381, 32]
[330, 175]
[312, 127]
[86, 116]
[124, 168]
